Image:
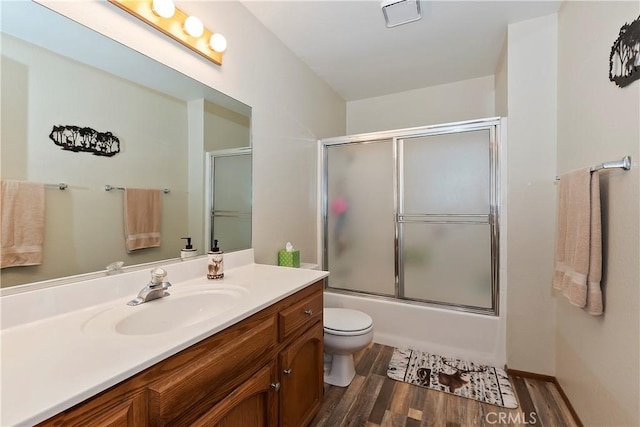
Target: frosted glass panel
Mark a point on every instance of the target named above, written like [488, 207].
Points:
[448, 263]
[234, 233]
[361, 231]
[447, 174]
[231, 210]
[232, 183]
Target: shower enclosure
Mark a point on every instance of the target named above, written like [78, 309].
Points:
[412, 215]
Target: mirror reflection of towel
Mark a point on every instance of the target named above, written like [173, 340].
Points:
[22, 208]
[142, 216]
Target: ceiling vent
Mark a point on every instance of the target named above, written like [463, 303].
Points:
[398, 12]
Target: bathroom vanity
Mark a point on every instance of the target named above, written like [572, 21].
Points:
[257, 362]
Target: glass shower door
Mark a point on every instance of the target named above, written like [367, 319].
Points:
[231, 200]
[445, 218]
[360, 228]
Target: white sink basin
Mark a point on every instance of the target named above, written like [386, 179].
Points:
[183, 308]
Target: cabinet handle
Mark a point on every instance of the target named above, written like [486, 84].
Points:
[308, 312]
[287, 371]
[275, 386]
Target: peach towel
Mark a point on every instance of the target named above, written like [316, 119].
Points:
[142, 215]
[578, 264]
[22, 223]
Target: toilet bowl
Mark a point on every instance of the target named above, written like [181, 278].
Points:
[345, 332]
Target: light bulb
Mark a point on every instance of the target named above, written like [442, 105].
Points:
[163, 8]
[218, 43]
[193, 26]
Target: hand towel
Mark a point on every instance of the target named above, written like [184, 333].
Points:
[23, 210]
[578, 262]
[142, 216]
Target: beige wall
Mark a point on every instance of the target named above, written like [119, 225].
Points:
[84, 224]
[532, 65]
[501, 82]
[452, 102]
[292, 108]
[597, 358]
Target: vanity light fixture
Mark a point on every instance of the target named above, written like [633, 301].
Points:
[163, 8]
[193, 26]
[187, 30]
[218, 43]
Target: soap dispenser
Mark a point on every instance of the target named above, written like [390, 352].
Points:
[188, 251]
[215, 262]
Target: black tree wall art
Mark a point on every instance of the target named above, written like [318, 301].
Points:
[624, 60]
[75, 138]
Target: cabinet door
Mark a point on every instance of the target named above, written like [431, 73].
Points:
[301, 377]
[109, 410]
[253, 404]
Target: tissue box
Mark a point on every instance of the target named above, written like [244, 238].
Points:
[289, 259]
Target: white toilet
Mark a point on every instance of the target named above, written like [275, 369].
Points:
[345, 332]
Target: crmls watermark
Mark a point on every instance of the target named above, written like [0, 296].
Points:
[511, 418]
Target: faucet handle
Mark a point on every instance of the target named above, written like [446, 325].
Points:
[158, 275]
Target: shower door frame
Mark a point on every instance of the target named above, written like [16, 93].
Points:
[493, 126]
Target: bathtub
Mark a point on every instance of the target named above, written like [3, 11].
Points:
[468, 336]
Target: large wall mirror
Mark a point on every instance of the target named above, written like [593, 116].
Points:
[56, 72]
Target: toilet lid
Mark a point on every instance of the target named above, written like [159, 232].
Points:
[345, 320]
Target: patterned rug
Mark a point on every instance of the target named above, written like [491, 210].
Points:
[466, 379]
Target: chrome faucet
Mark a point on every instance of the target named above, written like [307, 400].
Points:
[154, 289]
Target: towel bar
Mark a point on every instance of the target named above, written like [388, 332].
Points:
[624, 163]
[108, 187]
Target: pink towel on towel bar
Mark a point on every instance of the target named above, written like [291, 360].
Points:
[23, 210]
[142, 216]
[578, 263]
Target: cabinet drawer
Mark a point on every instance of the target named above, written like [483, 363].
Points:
[300, 315]
[210, 373]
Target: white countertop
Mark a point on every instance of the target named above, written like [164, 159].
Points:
[52, 363]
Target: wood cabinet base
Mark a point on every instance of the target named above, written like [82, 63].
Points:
[263, 371]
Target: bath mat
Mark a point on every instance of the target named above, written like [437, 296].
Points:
[466, 379]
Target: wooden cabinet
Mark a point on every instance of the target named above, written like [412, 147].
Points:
[107, 410]
[301, 380]
[254, 403]
[263, 371]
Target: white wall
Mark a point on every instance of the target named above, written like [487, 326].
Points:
[501, 82]
[532, 68]
[598, 358]
[292, 108]
[452, 102]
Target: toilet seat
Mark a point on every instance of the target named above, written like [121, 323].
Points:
[345, 322]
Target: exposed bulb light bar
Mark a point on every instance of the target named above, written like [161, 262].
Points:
[187, 30]
[163, 8]
[218, 43]
[193, 26]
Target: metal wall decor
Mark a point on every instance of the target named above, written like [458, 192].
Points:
[624, 60]
[75, 138]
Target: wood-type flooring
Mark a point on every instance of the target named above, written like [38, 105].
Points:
[372, 399]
